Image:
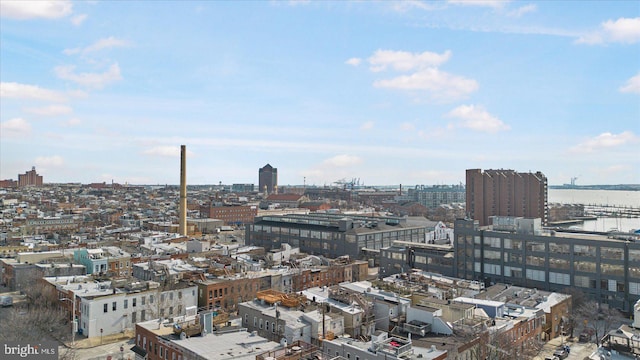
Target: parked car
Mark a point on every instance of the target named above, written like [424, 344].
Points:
[561, 353]
[6, 300]
[552, 357]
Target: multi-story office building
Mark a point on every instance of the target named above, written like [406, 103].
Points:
[30, 178]
[517, 251]
[332, 235]
[434, 196]
[506, 193]
[267, 179]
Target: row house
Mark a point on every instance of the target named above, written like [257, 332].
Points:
[229, 291]
[155, 341]
[107, 308]
[277, 316]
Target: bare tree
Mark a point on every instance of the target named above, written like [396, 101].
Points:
[39, 317]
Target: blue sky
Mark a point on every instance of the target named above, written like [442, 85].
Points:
[388, 92]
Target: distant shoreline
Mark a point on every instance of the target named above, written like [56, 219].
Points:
[622, 187]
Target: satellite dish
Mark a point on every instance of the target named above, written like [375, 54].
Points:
[183, 335]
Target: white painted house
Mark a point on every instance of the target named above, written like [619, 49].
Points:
[105, 308]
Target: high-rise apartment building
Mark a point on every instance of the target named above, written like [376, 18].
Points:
[30, 178]
[267, 179]
[506, 193]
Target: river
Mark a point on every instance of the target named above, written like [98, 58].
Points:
[600, 197]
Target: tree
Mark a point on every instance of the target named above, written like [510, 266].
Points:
[38, 318]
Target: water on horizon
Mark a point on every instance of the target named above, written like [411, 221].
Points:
[594, 197]
[600, 197]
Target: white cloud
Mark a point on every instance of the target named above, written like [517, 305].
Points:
[353, 61]
[342, 161]
[165, 151]
[407, 126]
[632, 85]
[101, 44]
[604, 141]
[71, 122]
[406, 5]
[51, 110]
[623, 30]
[15, 128]
[368, 125]
[477, 118]
[406, 61]
[14, 90]
[441, 85]
[79, 19]
[49, 161]
[485, 3]
[522, 10]
[28, 9]
[92, 80]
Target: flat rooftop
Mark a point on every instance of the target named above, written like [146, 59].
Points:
[232, 345]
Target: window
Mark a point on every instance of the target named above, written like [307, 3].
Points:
[150, 299]
[105, 307]
[142, 300]
[113, 306]
[142, 315]
[134, 317]
[133, 302]
[126, 303]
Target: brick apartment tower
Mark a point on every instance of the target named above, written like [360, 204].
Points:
[267, 179]
[30, 178]
[506, 193]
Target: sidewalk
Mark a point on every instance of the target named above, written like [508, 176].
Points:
[578, 350]
[86, 343]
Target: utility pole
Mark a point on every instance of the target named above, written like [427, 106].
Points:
[323, 329]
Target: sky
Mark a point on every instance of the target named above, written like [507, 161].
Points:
[386, 92]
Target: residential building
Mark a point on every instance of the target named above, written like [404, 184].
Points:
[506, 193]
[291, 317]
[436, 195]
[268, 179]
[111, 307]
[30, 178]
[95, 260]
[381, 347]
[158, 341]
[518, 251]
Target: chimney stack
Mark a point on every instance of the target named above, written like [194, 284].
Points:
[183, 191]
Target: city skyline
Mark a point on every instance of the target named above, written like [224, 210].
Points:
[387, 92]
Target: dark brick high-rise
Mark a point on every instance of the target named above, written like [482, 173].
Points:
[267, 179]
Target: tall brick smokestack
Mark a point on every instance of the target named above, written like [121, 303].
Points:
[183, 190]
